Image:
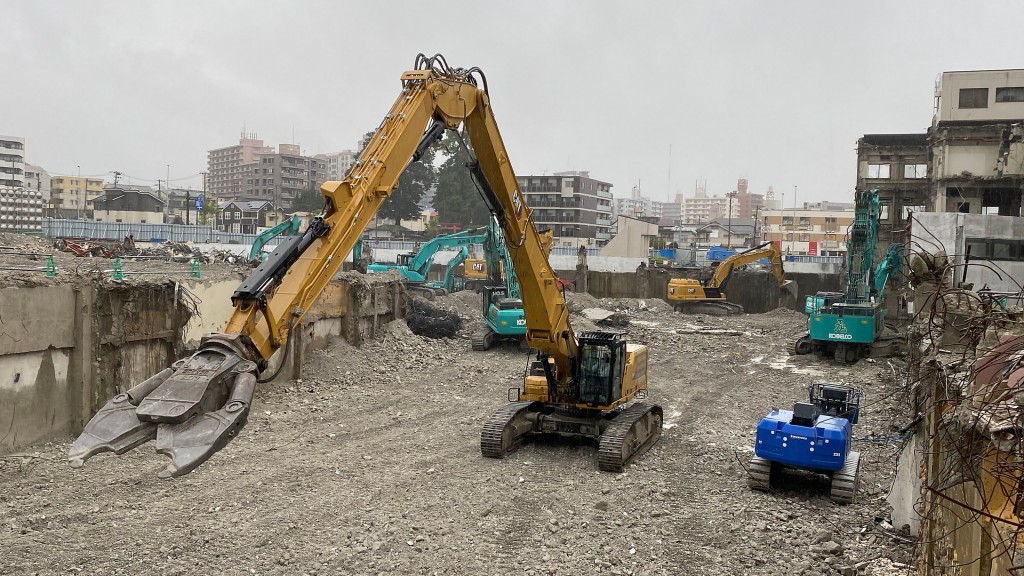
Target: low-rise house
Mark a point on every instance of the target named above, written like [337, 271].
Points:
[249, 216]
[129, 204]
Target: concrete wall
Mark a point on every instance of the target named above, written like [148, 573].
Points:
[756, 291]
[65, 350]
[931, 231]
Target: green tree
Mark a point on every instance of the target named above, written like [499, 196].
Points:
[457, 199]
[208, 214]
[418, 177]
[308, 200]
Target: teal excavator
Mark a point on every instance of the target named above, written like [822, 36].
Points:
[850, 325]
[415, 266]
[289, 227]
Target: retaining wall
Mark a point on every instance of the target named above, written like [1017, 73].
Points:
[65, 350]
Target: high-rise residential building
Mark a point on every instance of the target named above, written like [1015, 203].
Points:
[337, 164]
[226, 166]
[12, 161]
[745, 203]
[702, 208]
[279, 176]
[576, 207]
[635, 206]
[639, 206]
[72, 196]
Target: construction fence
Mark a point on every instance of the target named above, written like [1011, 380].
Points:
[59, 228]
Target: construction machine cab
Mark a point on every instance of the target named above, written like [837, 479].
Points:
[601, 360]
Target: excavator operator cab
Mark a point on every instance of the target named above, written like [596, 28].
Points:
[498, 295]
[601, 363]
[404, 259]
[492, 295]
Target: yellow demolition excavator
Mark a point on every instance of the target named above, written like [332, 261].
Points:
[579, 385]
[695, 297]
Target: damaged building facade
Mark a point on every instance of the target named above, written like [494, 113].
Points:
[952, 197]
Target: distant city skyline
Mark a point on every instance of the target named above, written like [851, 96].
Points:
[148, 88]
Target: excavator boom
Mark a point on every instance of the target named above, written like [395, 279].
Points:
[195, 407]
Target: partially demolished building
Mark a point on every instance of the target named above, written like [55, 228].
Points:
[952, 197]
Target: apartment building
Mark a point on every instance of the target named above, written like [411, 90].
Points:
[278, 177]
[701, 208]
[72, 196]
[745, 204]
[12, 161]
[576, 207]
[806, 231]
[337, 164]
[226, 172]
[38, 179]
[639, 206]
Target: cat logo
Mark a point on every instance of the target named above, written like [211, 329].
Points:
[841, 332]
[478, 266]
[517, 203]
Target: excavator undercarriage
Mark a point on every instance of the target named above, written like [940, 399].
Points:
[621, 435]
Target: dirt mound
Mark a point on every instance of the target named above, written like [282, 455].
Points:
[784, 314]
[425, 319]
[465, 302]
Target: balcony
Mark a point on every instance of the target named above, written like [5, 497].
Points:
[604, 194]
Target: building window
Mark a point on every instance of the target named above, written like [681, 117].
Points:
[1015, 94]
[915, 171]
[974, 98]
[880, 171]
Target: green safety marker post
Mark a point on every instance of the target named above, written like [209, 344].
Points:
[51, 268]
[118, 271]
[196, 273]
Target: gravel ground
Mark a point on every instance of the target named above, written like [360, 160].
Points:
[370, 465]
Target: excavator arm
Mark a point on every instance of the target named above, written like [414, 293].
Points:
[195, 407]
[424, 257]
[289, 227]
[767, 250]
[575, 386]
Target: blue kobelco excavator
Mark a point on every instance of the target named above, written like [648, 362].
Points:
[816, 436]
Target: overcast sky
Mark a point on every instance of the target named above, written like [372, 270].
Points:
[775, 92]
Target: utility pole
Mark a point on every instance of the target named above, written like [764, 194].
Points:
[188, 198]
[794, 215]
[78, 199]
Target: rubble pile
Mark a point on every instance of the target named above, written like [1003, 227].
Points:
[425, 319]
[370, 463]
[28, 261]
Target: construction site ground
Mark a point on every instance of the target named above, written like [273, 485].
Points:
[371, 465]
